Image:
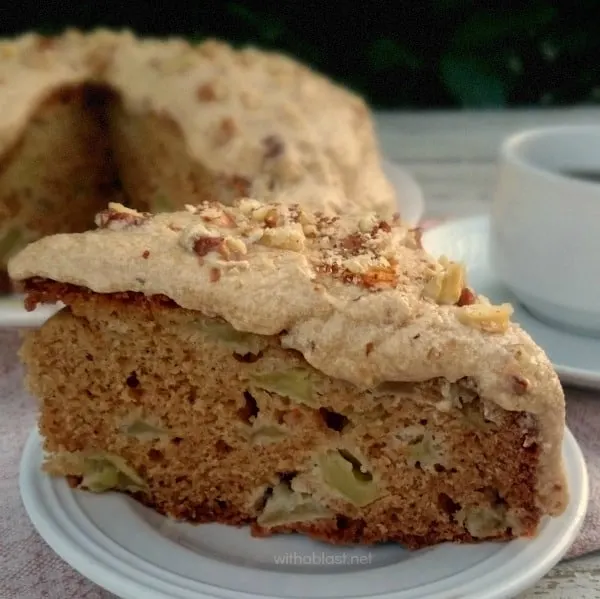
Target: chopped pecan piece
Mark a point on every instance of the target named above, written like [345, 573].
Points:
[369, 348]
[274, 146]
[380, 277]
[205, 245]
[519, 384]
[215, 275]
[206, 93]
[146, 254]
[492, 319]
[226, 131]
[118, 217]
[227, 221]
[271, 218]
[467, 297]
[381, 226]
[353, 242]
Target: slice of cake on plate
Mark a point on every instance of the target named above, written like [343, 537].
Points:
[261, 364]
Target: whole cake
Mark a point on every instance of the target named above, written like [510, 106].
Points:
[263, 364]
[155, 124]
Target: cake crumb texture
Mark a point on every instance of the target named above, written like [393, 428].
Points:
[206, 424]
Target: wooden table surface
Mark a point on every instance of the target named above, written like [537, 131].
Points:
[453, 157]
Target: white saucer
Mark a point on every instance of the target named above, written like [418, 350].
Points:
[133, 552]
[13, 314]
[575, 358]
[410, 206]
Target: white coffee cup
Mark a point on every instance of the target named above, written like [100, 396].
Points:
[545, 225]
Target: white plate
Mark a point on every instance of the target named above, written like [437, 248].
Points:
[13, 314]
[133, 552]
[410, 206]
[576, 358]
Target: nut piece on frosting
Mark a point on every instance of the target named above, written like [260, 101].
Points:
[486, 317]
[446, 286]
[117, 217]
[201, 240]
[289, 237]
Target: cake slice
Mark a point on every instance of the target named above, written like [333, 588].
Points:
[259, 364]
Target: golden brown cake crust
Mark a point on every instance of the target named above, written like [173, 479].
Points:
[272, 269]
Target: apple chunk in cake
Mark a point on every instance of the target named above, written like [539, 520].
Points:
[258, 364]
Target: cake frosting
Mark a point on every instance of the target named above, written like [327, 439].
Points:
[356, 295]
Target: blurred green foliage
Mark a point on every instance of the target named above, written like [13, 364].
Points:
[444, 53]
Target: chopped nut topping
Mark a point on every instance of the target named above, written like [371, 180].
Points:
[286, 237]
[260, 213]
[369, 348]
[236, 246]
[519, 384]
[274, 146]
[381, 226]
[447, 285]
[363, 263]
[310, 230]
[146, 254]
[353, 242]
[196, 231]
[271, 218]
[305, 218]
[211, 213]
[117, 217]
[248, 205]
[226, 131]
[215, 275]
[367, 223]
[206, 93]
[380, 277]
[205, 245]
[452, 284]
[492, 319]
[467, 298]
